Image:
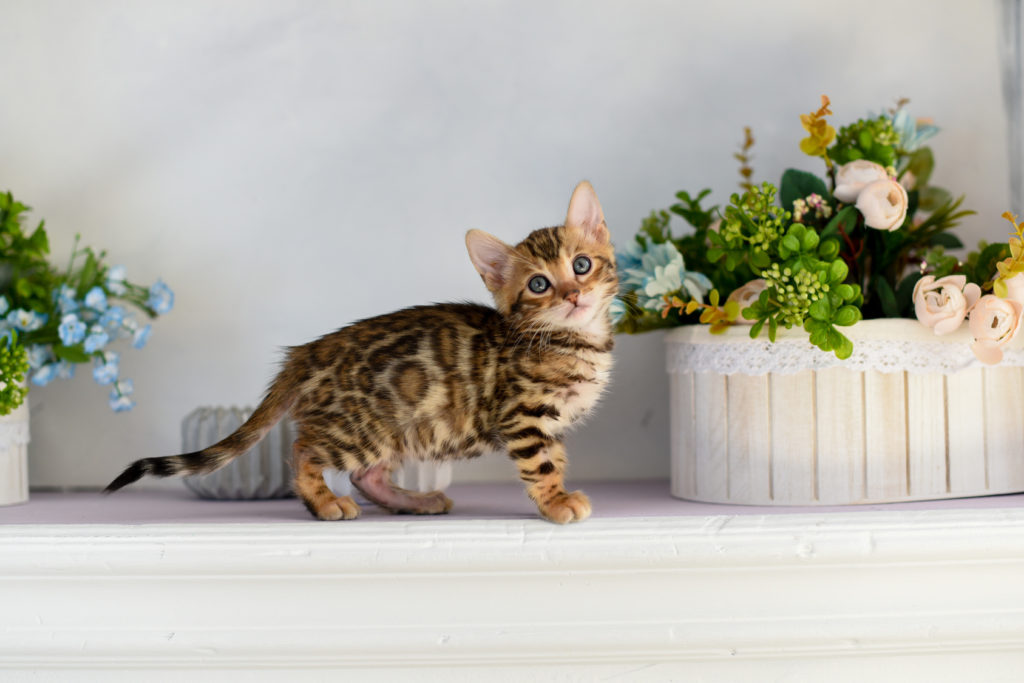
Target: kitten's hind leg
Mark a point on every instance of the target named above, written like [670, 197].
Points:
[375, 483]
[311, 489]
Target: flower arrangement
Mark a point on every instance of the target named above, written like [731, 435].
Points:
[53, 319]
[866, 239]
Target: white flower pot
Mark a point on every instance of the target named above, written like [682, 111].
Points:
[909, 416]
[14, 438]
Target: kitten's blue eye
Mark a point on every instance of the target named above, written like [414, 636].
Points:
[538, 284]
[581, 265]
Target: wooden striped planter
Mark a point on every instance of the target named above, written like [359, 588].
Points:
[818, 432]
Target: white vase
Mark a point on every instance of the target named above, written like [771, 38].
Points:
[423, 476]
[415, 475]
[909, 416]
[14, 438]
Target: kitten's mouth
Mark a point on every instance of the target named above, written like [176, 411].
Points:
[578, 312]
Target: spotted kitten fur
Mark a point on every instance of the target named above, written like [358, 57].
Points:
[448, 381]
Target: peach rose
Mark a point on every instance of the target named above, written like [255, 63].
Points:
[994, 322]
[747, 296]
[1015, 288]
[854, 176]
[883, 204]
[942, 304]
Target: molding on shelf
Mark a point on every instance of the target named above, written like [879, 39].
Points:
[669, 592]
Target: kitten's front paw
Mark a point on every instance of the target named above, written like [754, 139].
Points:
[339, 508]
[566, 507]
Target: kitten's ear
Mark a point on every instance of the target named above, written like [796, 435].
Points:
[490, 256]
[585, 213]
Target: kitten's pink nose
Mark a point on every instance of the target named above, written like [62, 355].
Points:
[573, 296]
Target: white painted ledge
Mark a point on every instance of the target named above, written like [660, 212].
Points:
[895, 594]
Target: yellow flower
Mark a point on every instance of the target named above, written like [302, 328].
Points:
[821, 134]
[1014, 265]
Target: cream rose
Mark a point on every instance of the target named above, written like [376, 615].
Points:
[942, 304]
[883, 204]
[994, 322]
[854, 176]
[747, 296]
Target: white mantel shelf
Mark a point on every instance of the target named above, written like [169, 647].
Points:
[161, 586]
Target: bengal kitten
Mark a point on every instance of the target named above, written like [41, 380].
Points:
[448, 381]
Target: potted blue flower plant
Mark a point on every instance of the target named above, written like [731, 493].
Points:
[53, 320]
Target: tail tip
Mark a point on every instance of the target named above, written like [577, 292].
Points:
[131, 474]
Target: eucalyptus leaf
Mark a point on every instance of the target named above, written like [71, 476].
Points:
[945, 239]
[921, 164]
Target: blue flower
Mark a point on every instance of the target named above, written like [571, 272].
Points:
[111, 319]
[617, 310]
[662, 271]
[161, 298]
[106, 369]
[630, 258]
[142, 336]
[26, 321]
[97, 339]
[115, 281]
[71, 330]
[4, 305]
[120, 396]
[912, 133]
[129, 326]
[44, 375]
[96, 299]
[65, 298]
[38, 356]
[120, 403]
[65, 369]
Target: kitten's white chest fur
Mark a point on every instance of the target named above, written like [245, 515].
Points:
[581, 397]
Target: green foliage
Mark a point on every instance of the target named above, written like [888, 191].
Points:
[805, 280]
[696, 245]
[24, 266]
[823, 267]
[981, 265]
[655, 228]
[13, 366]
[872, 139]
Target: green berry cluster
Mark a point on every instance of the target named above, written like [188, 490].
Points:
[794, 292]
[754, 218]
[872, 139]
[13, 366]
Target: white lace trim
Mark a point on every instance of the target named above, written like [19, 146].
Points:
[880, 345]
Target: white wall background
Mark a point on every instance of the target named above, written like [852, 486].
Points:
[288, 167]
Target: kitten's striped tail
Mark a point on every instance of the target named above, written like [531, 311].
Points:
[279, 399]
